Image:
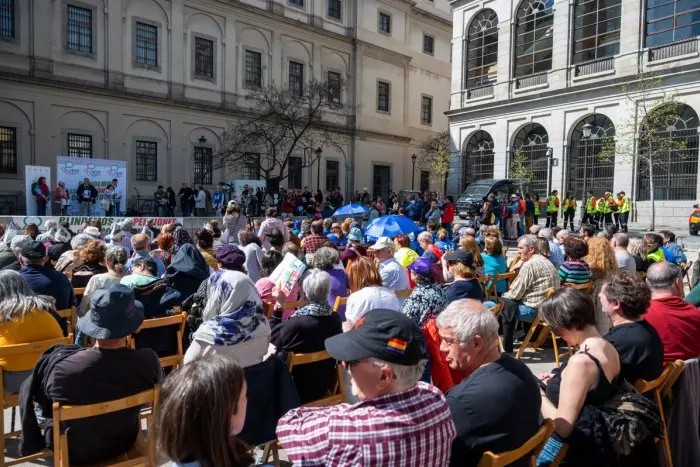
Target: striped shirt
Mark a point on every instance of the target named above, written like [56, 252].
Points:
[409, 428]
[575, 272]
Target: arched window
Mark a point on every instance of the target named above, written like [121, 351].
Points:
[671, 21]
[482, 50]
[587, 170]
[478, 158]
[674, 147]
[534, 25]
[596, 29]
[532, 143]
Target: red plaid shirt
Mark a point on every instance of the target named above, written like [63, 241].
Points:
[410, 428]
[313, 242]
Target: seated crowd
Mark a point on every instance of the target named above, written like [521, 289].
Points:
[422, 325]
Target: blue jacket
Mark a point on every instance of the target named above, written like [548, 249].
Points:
[47, 281]
[674, 253]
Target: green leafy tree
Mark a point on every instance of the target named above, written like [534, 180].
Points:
[520, 168]
[647, 136]
[435, 157]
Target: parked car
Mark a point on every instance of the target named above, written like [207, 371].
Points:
[470, 201]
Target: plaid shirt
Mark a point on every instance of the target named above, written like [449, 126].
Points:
[536, 276]
[313, 242]
[410, 428]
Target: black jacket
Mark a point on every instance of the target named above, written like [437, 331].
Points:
[81, 190]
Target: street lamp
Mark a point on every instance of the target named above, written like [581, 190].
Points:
[413, 174]
[587, 127]
[202, 140]
[318, 169]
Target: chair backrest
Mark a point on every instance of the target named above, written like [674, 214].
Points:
[79, 291]
[644, 386]
[585, 287]
[667, 389]
[550, 292]
[339, 301]
[64, 413]
[485, 282]
[508, 277]
[295, 305]
[71, 317]
[516, 258]
[267, 309]
[403, 293]
[531, 448]
[178, 319]
[337, 395]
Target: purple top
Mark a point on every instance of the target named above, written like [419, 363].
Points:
[339, 288]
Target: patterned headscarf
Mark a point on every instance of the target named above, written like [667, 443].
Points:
[181, 237]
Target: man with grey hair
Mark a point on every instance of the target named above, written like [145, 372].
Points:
[425, 240]
[306, 332]
[394, 276]
[529, 289]
[625, 261]
[676, 321]
[385, 355]
[45, 280]
[497, 406]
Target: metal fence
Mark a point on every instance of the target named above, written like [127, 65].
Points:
[587, 170]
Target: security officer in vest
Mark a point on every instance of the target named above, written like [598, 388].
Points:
[552, 209]
[600, 209]
[589, 211]
[653, 242]
[569, 210]
[623, 211]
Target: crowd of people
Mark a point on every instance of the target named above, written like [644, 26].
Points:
[413, 320]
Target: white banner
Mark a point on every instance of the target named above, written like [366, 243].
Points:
[101, 172]
[76, 221]
[31, 175]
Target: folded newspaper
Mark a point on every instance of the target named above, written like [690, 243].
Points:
[288, 273]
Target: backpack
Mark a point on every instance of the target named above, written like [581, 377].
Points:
[35, 190]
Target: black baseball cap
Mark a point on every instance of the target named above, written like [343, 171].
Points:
[33, 250]
[461, 256]
[384, 334]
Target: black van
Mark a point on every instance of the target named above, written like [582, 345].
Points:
[470, 202]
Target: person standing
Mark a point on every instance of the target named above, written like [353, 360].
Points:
[569, 211]
[41, 193]
[171, 201]
[185, 195]
[589, 210]
[108, 201]
[87, 194]
[160, 199]
[601, 209]
[61, 198]
[530, 208]
[117, 195]
[218, 200]
[623, 212]
[552, 209]
[201, 201]
[536, 217]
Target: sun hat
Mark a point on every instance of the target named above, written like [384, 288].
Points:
[92, 231]
[384, 334]
[355, 234]
[422, 266]
[113, 314]
[381, 243]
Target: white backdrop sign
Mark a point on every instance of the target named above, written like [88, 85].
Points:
[31, 175]
[73, 170]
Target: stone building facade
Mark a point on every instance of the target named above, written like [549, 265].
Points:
[156, 83]
[550, 80]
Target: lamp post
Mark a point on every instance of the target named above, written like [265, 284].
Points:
[318, 169]
[586, 136]
[413, 173]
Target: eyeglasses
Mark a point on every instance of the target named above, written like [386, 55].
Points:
[450, 341]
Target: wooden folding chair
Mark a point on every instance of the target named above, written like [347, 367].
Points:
[337, 395]
[512, 264]
[295, 305]
[686, 268]
[531, 449]
[496, 310]
[137, 455]
[657, 387]
[267, 309]
[7, 352]
[585, 287]
[508, 277]
[339, 301]
[544, 332]
[403, 293]
[667, 389]
[71, 317]
[79, 291]
[178, 319]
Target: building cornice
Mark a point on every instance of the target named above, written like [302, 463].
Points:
[400, 4]
[437, 20]
[381, 53]
[370, 134]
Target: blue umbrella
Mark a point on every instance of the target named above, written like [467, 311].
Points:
[390, 226]
[351, 210]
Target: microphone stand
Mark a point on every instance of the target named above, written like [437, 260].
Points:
[138, 201]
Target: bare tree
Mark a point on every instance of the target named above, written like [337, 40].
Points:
[435, 157]
[648, 135]
[296, 121]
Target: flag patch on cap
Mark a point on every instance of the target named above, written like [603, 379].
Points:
[396, 345]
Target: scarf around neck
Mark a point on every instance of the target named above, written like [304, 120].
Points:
[239, 326]
[314, 309]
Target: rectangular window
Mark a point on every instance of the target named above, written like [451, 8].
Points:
[332, 175]
[7, 19]
[146, 161]
[428, 44]
[146, 44]
[8, 150]
[203, 58]
[253, 70]
[251, 167]
[335, 8]
[426, 110]
[296, 78]
[203, 166]
[79, 145]
[424, 181]
[294, 179]
[333, 84]
[383, 95]
[299, 3]
[385, 23]
[79, 29]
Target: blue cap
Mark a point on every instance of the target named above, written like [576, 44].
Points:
[355, 235]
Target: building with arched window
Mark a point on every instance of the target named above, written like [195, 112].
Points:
[567, 92]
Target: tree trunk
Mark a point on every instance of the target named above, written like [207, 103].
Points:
[651, 196]
[444, 188]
